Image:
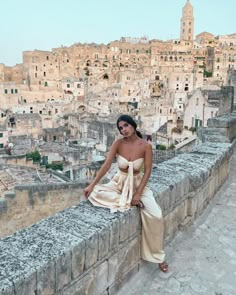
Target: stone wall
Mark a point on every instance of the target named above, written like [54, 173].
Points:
[28, 204]
[88, 250]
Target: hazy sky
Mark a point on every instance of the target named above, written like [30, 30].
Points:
[46, 24]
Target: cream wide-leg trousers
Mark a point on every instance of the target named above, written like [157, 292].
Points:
[152, 229]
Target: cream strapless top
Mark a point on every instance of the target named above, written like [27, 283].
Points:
[123, 163]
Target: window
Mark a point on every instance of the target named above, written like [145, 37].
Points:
[197, 101]
[68, 85]
[5, 91]
[1, 145]
[35, 75]
[12, 91]
[1, 134]
[45, 84]
[78, 86]
[44, 74]
[47, 58]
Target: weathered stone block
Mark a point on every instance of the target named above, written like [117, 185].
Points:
[122, 261]
[78, 259]
[114, 234]
[80, 287]
[63, 270]
[134, 221]
[123, 279]
[46, 280]
[94, 283]
[124, 226]
[6, 287]
[23, 275]
[91, 251]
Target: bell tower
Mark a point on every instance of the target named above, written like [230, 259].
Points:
[187, 22]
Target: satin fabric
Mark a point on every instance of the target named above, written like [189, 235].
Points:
[117, 195]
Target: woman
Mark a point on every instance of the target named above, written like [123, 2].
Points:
[128, 188]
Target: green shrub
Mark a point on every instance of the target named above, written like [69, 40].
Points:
[207, 74]
[162, 147]
[193, 129]
[35, 156]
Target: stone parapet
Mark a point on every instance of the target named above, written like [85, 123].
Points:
[88, 250]
[29, 203]
[220, 129]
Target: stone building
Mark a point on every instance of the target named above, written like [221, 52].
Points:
[3, 136]
[24, 124]
[207, 102]
[59, 134]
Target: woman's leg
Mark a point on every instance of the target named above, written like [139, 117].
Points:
[152, 230]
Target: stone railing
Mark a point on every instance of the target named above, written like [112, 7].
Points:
[88, 250]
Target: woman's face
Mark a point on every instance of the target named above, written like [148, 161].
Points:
[125, 129]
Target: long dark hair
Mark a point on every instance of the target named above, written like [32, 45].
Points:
[128, 119]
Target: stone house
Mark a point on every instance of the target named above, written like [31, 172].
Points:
[207, 102]
[3, 136]
[24, 124]
[58, 134]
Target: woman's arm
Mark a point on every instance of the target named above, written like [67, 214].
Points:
[147, 173]
[105, 167]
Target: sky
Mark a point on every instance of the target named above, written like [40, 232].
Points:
[46, 24]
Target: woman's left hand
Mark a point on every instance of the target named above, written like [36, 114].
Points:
[135, 199]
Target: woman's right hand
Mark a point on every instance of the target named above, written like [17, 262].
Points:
[88, 190]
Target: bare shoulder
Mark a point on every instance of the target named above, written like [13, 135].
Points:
[117, 142]
[144, 143]
[148, 147]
